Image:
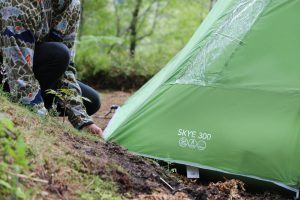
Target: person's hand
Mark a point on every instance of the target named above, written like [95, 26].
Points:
[93, 128]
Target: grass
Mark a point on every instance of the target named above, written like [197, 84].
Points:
[51, 158]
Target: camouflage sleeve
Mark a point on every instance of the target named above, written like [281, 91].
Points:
[18, 25]
[75, 109]
[64, 27]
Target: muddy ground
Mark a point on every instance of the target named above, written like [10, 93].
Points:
[145, 179]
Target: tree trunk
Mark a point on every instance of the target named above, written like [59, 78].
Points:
[133, 28]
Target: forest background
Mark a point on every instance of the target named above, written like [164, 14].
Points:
[123, 43]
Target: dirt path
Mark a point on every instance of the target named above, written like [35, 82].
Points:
[108, 99]
[144, 178]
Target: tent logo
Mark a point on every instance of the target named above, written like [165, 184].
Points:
[201, 145]
[183, 142]
[192, 143]
[193, 139]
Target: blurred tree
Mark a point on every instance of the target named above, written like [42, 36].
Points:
[143, 13]
[134, 37]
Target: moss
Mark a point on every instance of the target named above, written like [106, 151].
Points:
[53, 158]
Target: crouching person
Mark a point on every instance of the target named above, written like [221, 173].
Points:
[36, 55]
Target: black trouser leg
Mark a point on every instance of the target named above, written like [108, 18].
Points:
[94, 105]
[51, 60]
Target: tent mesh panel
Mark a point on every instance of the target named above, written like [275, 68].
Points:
[222, 41]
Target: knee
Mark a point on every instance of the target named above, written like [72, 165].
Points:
[54, 54]
[59, 56]
[62, 53]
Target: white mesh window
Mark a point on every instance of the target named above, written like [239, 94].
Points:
[232, 30]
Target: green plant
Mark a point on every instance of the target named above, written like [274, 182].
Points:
[13, 161]
[169, 167]
[66, 96]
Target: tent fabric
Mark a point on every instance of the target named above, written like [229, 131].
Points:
[229, 100]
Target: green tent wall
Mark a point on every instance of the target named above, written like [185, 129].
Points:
[230, 100]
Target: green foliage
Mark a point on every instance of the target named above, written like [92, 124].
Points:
[104, 40]
[13, 161]
[168, 167]
[66, 96]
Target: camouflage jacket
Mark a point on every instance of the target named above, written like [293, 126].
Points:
[24, 24]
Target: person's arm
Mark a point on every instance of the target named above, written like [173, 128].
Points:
[64, 28]
[75, 109]
[17, 40]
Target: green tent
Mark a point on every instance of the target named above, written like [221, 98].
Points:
[230, 100]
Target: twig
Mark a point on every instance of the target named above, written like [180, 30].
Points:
[163, 181]
[10, 133]
[27, 177]
[166, 183]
